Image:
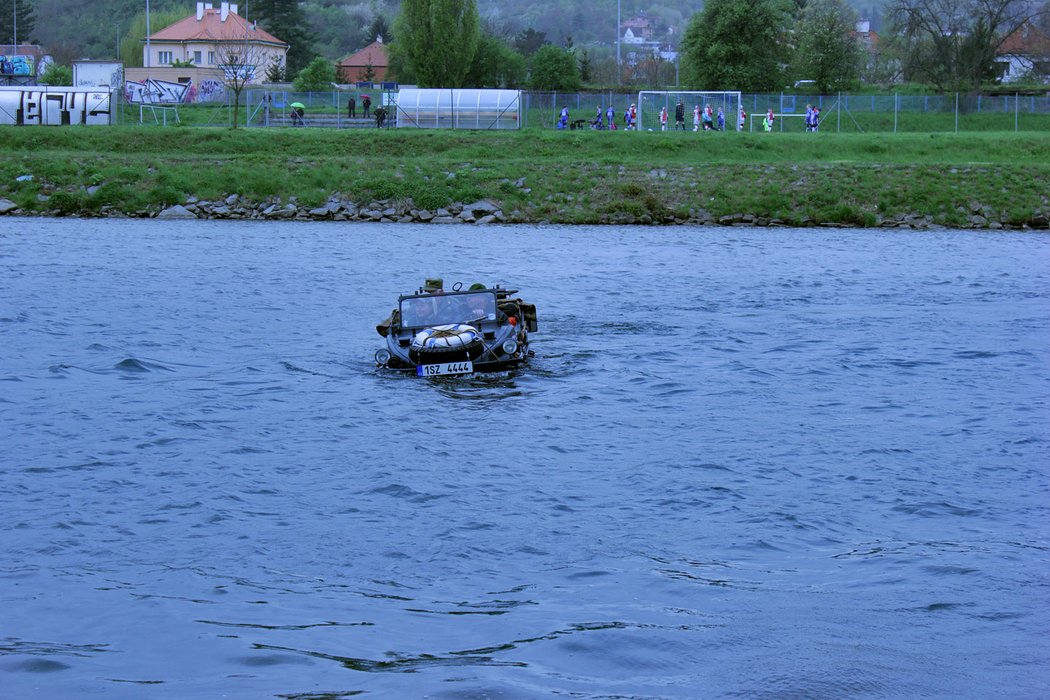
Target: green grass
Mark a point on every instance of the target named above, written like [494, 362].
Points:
[572, 177]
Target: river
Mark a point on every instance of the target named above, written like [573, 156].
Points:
[744, 463]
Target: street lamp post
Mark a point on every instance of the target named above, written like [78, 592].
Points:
[148, 61]
[618, 72]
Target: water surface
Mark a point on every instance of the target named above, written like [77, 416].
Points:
[745, 462]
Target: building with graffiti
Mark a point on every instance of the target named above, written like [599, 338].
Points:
[54, 106]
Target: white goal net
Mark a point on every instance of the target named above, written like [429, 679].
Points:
[651, 102]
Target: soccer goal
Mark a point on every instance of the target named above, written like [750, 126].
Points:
[650, 102]
[791, 123]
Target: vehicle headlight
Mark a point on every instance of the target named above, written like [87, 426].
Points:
[510, 346]
[382, 356]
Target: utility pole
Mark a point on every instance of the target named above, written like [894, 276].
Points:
[14, 39]
[148, 57]
[619, 73]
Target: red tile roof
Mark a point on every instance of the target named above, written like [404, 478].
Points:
[212, 28]
[1026, 40]
[374, 53]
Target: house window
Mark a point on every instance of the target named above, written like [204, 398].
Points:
[211, 58]
[197, 57]
[164, 57]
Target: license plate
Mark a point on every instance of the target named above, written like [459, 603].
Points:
[444, 368]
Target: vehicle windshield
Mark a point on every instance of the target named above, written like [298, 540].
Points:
[439, 309]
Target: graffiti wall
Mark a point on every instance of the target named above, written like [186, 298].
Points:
[164, 92]
[17, 65]
[53, 106]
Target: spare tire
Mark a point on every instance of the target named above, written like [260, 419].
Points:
[453, 342]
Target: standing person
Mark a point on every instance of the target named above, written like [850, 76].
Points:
[742, 119]
[770, 117]
[663, 118]
[809, 117]
[634, 117]
[597, 123]
[816, 119]
[611, 118]
[351, 108]
[679, 115]
[696, 118]
[563, 119]
[721, 120]
[366, 102]
[708, 117]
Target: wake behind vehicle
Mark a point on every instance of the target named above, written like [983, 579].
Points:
[434, 333]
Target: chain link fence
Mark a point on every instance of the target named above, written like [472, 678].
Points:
[892, 113]
[839, 113]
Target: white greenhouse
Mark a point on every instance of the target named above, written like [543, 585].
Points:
[437, 108]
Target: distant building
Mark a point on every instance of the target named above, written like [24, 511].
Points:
[640, 36]
[373, 58]
[206, 38]
[866, 37]
[1025, 54]
[640, 28]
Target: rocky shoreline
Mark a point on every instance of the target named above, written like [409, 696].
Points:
[338, 208]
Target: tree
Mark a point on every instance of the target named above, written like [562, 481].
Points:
[284, 19]
[57, 75]
[952, 44]
[553, 68]
[379, 27]
[22, 11]
[827, 50]
[529, 41]
[586, 71]
[239, 60]
[131, 44]
[496, 65]
[736, 45]
[318, 76]
[275, 71]
[437, 40]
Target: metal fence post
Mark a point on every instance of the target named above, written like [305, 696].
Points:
[957, 112]
[896, 100]
[1017, 111]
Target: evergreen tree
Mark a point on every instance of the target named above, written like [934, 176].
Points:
[529, 41]
[437, 40]
[22, 10]
[275, 72]
[736, 45]
[284, 19]
[379, 27]
[586, 70]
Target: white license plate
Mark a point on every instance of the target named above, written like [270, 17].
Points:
[444, 368]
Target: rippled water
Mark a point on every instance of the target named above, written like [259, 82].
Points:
[753, 463]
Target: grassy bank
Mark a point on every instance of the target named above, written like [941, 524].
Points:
[567, 177]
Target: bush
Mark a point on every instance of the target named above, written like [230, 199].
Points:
[318, 76]
[57, 75]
